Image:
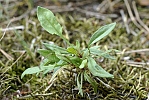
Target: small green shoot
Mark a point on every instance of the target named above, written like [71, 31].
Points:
[83, 60]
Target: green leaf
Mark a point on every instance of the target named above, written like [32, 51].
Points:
[55, 48]
[72, 50]
[109, 56]
[48, 21]
[55, 67]
[63, 57]
[101, 53]
[49, 68]
[55, 73]
[95, 47]
[91, 81]
[31, 70]
[75, 61]
[85, 53]
[77, 44]
[50, 55]
[100, 33]
[79, 84]
[44, 62]
[44, 52]
[38, 69]
[83, 64]
[96, 70]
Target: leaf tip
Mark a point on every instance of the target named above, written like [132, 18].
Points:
[38, 7]
[114, 24]
[22, 75]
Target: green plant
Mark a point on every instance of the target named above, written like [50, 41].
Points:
[83, 60]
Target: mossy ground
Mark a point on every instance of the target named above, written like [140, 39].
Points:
[18, 51]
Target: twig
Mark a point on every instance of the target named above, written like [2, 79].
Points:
[97, 15]
[147, 97]
[55, 9]
[50, 85]
[6, 55]
[9, 0]
[83, 2]
[65, 9]
[13, 63]
[135, 51]
[19, 17]
[6, 89]
[138, 17]
[113, 3]
[70, 70]
[125, 20]
[6, 27]
[137, 64]
[107, 85]
[12, 28]
[102, 4]
[110, 5]
[131, 14]
[35, 95]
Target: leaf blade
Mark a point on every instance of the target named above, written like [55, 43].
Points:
[49, 54]
[72, 50]
[55, 48]
[79, 84]
[31, 70]
[100, 53]
[91, 81]
[48, 21]
[101, 32]
[83, 64]
[96, 70]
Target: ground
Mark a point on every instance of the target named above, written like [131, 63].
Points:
[21, 36]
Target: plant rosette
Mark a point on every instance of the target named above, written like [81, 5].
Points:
[57, 58]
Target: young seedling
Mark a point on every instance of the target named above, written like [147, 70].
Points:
[57, 58]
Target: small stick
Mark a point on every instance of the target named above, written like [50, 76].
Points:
[138, 17]
[6, 89]
[110, 5]
[125, 20]
[135, 51]
[97, 15]
[102, 4]
[19, 17]
[27, 96]
[6, 55]
[147, 97]
[50, 85]
[107, 85]
[131, 15]
[137, 63]
[5, 30]
[12, 28]
[13, 63]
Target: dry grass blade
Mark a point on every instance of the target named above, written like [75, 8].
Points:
[6, 55]
[131, 14]
[13, 63]
[12, 28]
[6, 30]
[138, 17]
[134, 51]
[125, 21]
